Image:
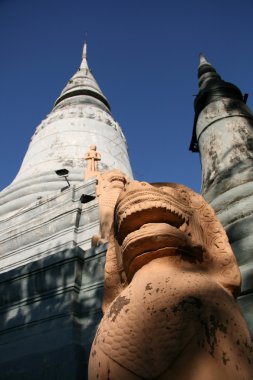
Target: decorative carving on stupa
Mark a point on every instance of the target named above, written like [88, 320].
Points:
[170, 285]
[92, 157]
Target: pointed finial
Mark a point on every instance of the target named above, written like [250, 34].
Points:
[84, 63]
[85, 46]
[85, 50]
[202, 60]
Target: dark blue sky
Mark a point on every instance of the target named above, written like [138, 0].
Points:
[144, 55]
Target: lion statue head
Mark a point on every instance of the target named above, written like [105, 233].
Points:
[166, 219]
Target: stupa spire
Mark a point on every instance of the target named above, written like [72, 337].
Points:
[81, 118]
[83, 83]
[85, 49]
[206, 72]
[203, 60]
[84, 63]
[211, 88]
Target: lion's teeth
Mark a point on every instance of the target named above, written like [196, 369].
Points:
[135, 208]
[183, 228]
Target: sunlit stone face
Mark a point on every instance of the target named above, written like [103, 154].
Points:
[166, 219]
[175, 306]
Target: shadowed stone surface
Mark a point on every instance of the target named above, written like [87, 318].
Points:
[48, 315]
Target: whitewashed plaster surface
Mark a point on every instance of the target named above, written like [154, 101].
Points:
[62, 139]
[49, 225]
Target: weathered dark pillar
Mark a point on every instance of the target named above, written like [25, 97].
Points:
[223, 135]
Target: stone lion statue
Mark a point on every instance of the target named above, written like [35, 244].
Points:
[170, 285]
